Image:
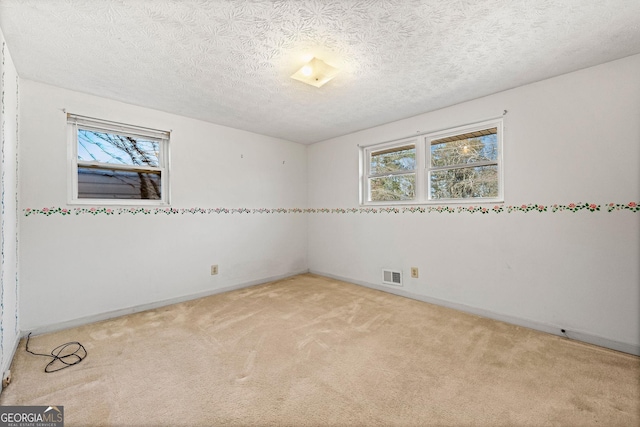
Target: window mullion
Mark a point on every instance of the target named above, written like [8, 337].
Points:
[394, 173]
[463, 165]
[133, 168]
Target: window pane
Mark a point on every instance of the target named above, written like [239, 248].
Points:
[393, 160]
[117, 149]
[464, 151]
[96, 183]
[395, 187]
[462, 183]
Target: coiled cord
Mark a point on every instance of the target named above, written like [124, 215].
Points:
[62, 353]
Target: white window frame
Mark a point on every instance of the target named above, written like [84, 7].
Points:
[75, 121]
[423, 165]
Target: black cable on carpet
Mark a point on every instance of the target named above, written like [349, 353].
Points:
[68, 354]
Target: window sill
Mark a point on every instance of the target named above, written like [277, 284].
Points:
[119, 203]
[437, 203]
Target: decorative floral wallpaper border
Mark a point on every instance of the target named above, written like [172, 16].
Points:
[571, 207]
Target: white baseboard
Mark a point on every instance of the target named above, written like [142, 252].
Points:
[136, 309]
[531, 324]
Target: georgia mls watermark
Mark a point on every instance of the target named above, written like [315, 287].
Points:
[31, 416]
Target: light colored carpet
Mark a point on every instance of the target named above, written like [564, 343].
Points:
[312, 351]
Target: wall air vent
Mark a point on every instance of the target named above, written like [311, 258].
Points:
[392, 277]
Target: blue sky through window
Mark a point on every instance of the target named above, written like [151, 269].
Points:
[117, 149]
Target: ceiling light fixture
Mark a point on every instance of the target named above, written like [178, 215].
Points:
[315, 72]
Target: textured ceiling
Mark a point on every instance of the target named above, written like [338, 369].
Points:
[229, 61]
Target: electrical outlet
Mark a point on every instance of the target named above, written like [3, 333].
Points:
[214, 270]
[414, 272]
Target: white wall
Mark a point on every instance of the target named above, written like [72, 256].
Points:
[83, 267]
[8, 207]
[574, 138]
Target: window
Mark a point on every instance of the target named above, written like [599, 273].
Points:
[114, 163]
[392, 172]
[464, 165]
[457, 165]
